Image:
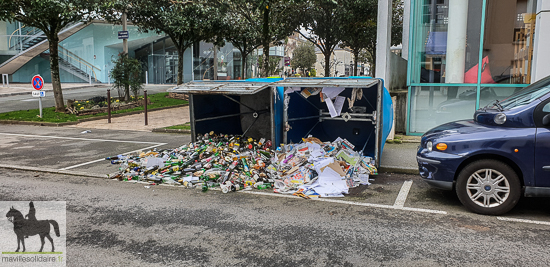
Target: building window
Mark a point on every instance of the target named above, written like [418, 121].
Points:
[452, 42]
[446, 44]
[508, 39]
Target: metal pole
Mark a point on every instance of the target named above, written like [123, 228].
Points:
[145, 104]
[146, 77]
[109, 105]
[124, 28]
[40, 105]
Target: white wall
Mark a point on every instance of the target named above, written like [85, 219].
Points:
[383, 41]
[541, 53]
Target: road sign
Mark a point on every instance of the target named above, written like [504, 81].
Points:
[39, 94]
[123, 34]
[37, 82]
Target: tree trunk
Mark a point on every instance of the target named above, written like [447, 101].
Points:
[180, 65]
[266, 42]
[243, 66]
[327, 64]
[373, 62]
[355, 57]
[54, 66]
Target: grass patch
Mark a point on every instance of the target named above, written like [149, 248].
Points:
[186, 126]
[49, 115]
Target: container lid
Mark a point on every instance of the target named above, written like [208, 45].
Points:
[355, 82]
[248, 87]
[221, 87]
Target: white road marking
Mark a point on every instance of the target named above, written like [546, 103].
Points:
[32, 99]
[89, 139]
[402, 197]
[98, 160]
[349, 202]
[84, 139]
[522, 220]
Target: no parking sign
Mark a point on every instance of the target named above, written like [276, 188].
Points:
[37, 82]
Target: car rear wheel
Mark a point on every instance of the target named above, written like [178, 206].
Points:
[488, 187]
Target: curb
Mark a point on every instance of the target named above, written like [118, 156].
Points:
[66, 89]
[60, 124]
[162, 130]
[47, 170]
[397, 169]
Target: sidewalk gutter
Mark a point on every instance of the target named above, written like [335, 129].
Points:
[398, 169]
[47, 170]
[53, 124]
[162, 130]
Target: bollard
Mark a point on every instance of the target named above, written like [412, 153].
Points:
[5, 80]
[108, 105]
[145, 104]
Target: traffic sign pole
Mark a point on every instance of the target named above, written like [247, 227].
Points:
[40, 105]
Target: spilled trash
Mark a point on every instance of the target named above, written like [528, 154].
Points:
[228, 163]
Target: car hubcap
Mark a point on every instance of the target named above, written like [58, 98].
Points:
[488, 188]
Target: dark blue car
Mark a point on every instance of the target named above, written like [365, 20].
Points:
[497, 157]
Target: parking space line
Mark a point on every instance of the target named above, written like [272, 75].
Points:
[82, 139]
[522, 220]
[98, 160]
[371, 205]
[402, 196]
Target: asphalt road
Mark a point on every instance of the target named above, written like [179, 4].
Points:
[24, 102]
[111, 223]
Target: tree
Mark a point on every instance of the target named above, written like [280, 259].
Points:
[126, 74]
[304, 57]
[185, 23]
[322, 28]
[245, 36]
[369, 25]
[358, 26]
[50, 16]
[279, 18]
[272, 66]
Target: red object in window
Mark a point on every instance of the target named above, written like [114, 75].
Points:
[471, 75]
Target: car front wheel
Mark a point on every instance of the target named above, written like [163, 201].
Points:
[488, 187]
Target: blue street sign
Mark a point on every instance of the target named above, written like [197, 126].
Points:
[123, 35]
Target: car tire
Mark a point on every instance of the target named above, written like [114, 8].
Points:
[488, 187]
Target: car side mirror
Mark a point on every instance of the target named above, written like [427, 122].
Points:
[546, 120]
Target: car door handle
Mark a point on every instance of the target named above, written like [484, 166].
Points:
[546, 168]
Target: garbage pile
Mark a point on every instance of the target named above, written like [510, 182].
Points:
[309, 169]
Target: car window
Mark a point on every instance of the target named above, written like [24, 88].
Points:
[546, 108]
[527, 95]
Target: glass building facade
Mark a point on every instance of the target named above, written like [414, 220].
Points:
[449, 41]
[95, 46]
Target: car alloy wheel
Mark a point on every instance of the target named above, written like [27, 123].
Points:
[488, 186]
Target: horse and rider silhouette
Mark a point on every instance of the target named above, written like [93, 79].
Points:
[24, 228]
